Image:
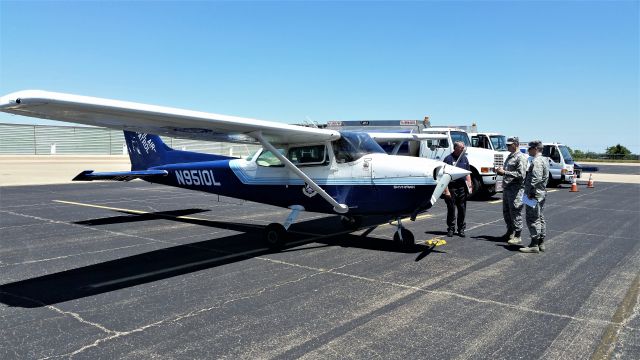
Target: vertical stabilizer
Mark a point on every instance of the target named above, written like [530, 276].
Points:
[147, 151]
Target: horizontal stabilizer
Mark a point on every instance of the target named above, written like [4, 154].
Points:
[89, 175]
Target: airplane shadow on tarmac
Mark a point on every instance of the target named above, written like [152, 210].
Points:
[183, 259]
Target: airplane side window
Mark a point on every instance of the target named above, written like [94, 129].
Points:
[268, 159]
[308, 155]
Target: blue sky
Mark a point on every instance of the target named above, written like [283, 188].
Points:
[563, 71]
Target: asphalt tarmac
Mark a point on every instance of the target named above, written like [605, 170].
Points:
[134, 270]
[633, 169]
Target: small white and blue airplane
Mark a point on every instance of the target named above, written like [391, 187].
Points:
[300, 168]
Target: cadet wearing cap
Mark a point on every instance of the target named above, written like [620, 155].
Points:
[513, 172]
[535, 187]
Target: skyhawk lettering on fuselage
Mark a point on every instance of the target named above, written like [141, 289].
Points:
[196, 177]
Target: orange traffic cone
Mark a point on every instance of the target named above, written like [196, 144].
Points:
[590, 182]
[574, 185]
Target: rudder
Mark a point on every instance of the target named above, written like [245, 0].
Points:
[145, 150]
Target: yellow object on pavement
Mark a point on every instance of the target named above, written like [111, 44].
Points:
[436, 242]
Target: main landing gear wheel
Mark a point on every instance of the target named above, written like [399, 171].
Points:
[275, 236]
[351, 222]
[404, 239]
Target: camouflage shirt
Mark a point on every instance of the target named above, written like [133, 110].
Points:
[535, 183]
[515, 170]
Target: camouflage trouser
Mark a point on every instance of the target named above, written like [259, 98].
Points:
[512, 208]
[536, 222]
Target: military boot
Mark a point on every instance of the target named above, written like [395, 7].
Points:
[541, 244]
[532, 248]
[515, 240]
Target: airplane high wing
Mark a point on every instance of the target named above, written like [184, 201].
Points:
[300, 168]
[157, 120]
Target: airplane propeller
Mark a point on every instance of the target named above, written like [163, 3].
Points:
[443, 181]
[445, 176]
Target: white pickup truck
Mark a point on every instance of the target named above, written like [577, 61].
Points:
[482, 161]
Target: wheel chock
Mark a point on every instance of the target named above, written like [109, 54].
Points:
[435, 242]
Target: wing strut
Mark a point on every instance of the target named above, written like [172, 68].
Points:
[337, 207]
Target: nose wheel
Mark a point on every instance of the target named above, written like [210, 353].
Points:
[403, 238]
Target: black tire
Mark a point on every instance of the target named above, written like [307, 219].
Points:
[275, 236]
[478, 189]
[553, 183]
[407, 242]
[351, 222]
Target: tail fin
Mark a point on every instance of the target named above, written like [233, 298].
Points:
[147, 151]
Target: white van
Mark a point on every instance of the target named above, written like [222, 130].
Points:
[560, 162]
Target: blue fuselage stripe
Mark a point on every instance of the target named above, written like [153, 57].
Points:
[363, 197]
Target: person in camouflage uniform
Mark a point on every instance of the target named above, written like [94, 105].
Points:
[535, 186]
[513, 172]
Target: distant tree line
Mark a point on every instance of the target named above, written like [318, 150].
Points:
[616, 152]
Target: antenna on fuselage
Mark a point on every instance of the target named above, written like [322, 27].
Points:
[310, 123]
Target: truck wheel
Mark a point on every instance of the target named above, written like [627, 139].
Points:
[478, 189]
[553, 183]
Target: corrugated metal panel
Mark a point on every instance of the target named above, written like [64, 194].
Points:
[73, 140]
[47, 136]
[17, 139]
[91, 141]
[117, 142]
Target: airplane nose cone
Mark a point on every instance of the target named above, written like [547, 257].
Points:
[455, 172]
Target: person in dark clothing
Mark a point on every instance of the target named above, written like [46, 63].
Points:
[455, 195]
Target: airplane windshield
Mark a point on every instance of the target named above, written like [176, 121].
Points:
[353, 145]
[499, 142]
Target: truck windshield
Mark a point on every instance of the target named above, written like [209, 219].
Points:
[566, 154]
[460, 136]
[353, 145]
[499, 142]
